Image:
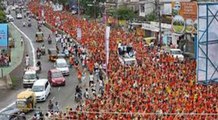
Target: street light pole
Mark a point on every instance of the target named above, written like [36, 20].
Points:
[94, 2]
[158, 13]
[78, 5]
[160, 21]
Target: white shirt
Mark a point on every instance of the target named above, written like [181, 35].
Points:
[27, 58]
[91, 77]
[96, 65]
[100, 83]
[135, 85]
[119, 45]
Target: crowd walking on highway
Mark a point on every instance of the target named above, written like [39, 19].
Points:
[158, 87]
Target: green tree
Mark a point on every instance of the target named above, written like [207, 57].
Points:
[91, 8]
[123, 13]
[2, 17]
[63, 2]
[151, 17]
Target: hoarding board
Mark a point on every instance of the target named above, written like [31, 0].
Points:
[3, 35]
[207, 43]
[184, 17]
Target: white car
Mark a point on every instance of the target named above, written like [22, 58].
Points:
[126, 55]
[9, 18]
[177, 53]
[61, 64]
[42, 89]
[19, 16]
[29, 77]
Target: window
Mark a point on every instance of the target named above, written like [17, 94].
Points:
[38, 88]
[46, 85]
[142, 7]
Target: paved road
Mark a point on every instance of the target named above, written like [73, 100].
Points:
[63, 95]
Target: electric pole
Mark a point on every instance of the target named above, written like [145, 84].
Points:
[158, 12]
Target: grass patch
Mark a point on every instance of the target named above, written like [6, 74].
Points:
[14, 82]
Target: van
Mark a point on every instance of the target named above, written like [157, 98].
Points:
[177, 53]
[29, 77]
[61, 64]
[42, 89]
[9, 18]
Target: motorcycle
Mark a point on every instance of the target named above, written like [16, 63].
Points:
[39, 68]
[38, 55]
[78, 96]
[29, 24]
[43, 51]
[24, 24]
[49, 41]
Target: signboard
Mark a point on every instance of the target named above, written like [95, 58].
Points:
[184, 17]
[3, 35]
[188, 10]
[168, 1]
[167, 9]
[150, 27]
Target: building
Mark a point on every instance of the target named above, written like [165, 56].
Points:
[132, 4]
[146, 7]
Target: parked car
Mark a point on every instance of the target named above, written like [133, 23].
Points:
[42, 89]
[177, 53]
[61, 64]
[56, 78]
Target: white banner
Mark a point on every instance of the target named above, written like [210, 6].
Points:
[43, 13]
[107, 33]
[57, 7]
[79, 33]
[107, 49]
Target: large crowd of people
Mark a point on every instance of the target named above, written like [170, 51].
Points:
[4, 60]
[158, 87]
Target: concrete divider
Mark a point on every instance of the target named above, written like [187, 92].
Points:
[16, 59]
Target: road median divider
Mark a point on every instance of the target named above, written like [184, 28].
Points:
[16, 54]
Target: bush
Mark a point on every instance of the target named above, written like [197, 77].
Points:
[2, 17]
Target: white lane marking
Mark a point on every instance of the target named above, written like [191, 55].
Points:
[34, 59]
[7, 107]
[31, 44]
[59, 89]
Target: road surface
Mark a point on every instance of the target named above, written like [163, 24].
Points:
[64, 95]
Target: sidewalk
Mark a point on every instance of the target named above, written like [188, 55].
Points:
[16, 54]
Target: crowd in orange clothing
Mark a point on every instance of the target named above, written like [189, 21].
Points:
[157, 84]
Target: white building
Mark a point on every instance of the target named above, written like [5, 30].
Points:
[146, 7]
[132, 4]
